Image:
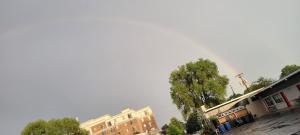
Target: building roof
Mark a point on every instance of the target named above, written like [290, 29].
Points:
[280, 84]
[232, 102]
[282, 79]
[107, 117]
[235, 100]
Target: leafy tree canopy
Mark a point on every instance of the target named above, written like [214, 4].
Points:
[35, 128]
[261, 82]
[233, 96]
[164, 129]
[288, 69]
[65, 126]
[175, 127]
[196, 84]
[193, 123]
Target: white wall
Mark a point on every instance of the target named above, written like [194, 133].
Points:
[292, 93]
[256, 108]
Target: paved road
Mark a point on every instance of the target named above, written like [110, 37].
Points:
[287, 123]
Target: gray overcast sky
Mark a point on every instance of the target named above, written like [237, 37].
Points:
[89, 58]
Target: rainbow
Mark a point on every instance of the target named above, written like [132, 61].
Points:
[224, 66]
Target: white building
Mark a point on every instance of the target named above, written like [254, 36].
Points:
[281, 95]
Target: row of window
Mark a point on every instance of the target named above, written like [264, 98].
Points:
[129, 116]
[277, 98]
[231, 111]
[112, 130]
[127, 130]
[112, 123]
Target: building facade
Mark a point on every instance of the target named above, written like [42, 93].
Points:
[231, 110]
[128, 122]
[282, 95]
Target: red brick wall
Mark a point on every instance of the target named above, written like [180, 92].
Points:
[98, 127]
[128, 128]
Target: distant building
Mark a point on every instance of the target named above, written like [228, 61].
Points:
[128, 122]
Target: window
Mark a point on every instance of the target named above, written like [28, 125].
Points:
[146, 113]
[109, 124]
[277, 98]
[129, 116]
[269, 101]
[246, 101]
[254, 98]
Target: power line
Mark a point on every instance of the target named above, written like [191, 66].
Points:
[244, 82]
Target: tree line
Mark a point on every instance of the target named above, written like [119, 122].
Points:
[64, 126]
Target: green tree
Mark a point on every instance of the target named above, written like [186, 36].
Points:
[196, 84]
[175, 127]
[261, 82]
[38, 127]
[193, 123]
[233, 96]
[288, 69]
[164, 129]
[65, 126]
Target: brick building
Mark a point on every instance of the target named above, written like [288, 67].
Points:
[128, 122]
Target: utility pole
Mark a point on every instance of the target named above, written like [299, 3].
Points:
[243, 80]
[233, 93]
